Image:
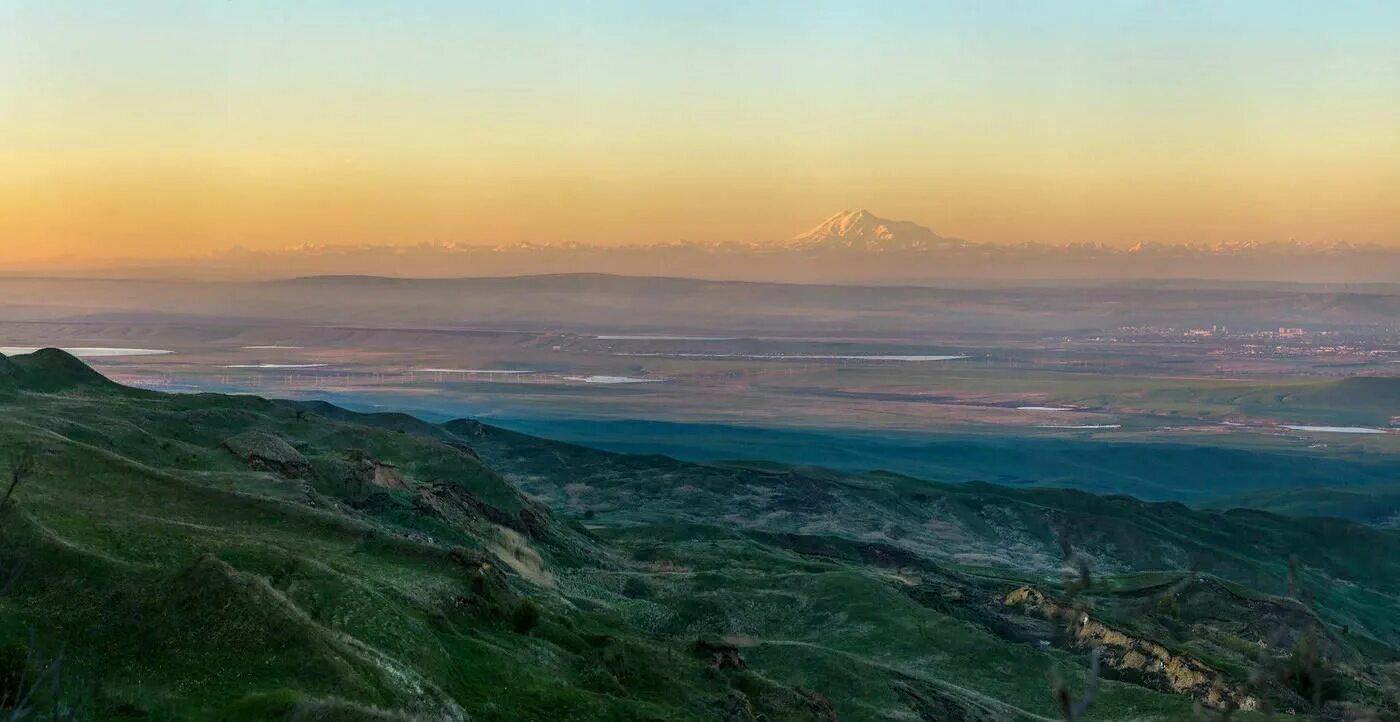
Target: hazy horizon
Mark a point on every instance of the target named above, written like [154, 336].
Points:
[164, 131]
[848, 248]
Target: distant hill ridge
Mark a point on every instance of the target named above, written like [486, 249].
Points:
[9, 372]
[48, 369]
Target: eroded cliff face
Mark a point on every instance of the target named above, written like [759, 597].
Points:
[1133, 655]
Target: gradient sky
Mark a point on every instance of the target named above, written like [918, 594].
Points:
[168, 128]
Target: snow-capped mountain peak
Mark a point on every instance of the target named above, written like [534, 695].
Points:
[863, 230]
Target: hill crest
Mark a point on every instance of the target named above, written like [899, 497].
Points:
[49, 369]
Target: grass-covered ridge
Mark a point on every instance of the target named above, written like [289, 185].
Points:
[230, 557]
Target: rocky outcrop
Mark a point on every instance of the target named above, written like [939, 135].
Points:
[534, 523]
[467, 427]
[388, 476]
[719, 654]
[265, 452]
[459, 506]
[363, 470]
[1140, 657]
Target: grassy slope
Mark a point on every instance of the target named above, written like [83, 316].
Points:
[256, 590]
[970, 524]
[186, 583]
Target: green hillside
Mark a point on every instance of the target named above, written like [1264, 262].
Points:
[210, 557]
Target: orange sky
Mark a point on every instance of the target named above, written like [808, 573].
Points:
[183, 130]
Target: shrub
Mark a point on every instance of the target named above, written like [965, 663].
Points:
[1168, 605]
[16, 674]
[1305, 672]
[525, 616]
[636, 588]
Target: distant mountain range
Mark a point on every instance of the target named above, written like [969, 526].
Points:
[848, 247]
[861, 231]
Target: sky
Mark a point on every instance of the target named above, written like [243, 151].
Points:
[165, 129]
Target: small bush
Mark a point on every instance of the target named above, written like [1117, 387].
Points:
[16, 674]
[1306, 673]
[1168, 606]
[636, 588]
[525, 616]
